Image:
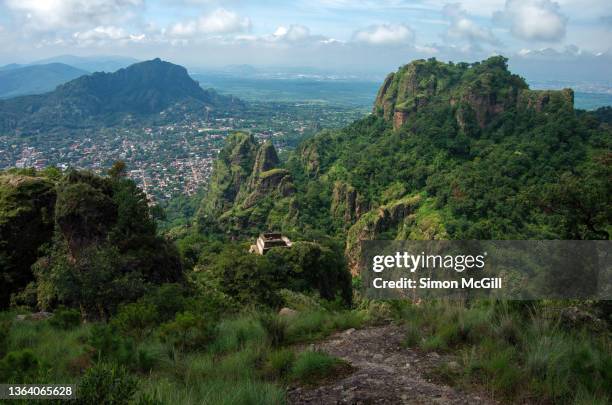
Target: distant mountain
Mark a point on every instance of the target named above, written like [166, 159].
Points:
[10, 66]
[91, 63]
[35, 79]
[138, 91]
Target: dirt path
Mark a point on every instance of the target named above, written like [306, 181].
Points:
[384, 372]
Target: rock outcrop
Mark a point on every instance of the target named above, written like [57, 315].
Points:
[347, 204]
[26, 222]
[231, 172]
[476, 92]
[376, 222]
[245, 174]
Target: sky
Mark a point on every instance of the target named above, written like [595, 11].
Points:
[335, 35]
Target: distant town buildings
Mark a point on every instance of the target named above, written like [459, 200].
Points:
[170, 158]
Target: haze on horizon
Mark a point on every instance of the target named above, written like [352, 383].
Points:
[563, 39]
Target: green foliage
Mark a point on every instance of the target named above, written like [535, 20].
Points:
[20, 367]
[311, 366]
[492, 159]
[166, 301]
[136, 320]
[275, 327]
[279, 363]
[104, 250]
[518, 355]
[187, 331]
[96, 282]
[238, 333]
[110, 346]
[5, 330]
[107, 384]
[65, 318]
[248, 278]
[307, 266]
[136, 93]
[26, 224]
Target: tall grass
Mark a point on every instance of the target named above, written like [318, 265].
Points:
[518, 353]
[248, 359]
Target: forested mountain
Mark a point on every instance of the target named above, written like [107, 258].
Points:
[140, 90]
[102, 63]
[461, 151]
[35, 79]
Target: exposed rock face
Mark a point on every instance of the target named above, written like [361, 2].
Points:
[244, 174]
[407, 91]
[26, 222]
[274, 181]
[266, 159]
[399, 119]
[476, 93]
[230, 173]
[538, 100]
[375, 222]
[347, 204]
[310, 158]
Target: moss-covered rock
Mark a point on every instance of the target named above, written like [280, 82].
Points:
[246, 186]
[26, 223]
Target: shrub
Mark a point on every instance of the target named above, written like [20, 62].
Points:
[299, 301]
[136, 320]
[275, 327]
[311, 366]
[413, 336]
[5, 329]
[107, 384]
[235, 334]
[279, 363]
[20, 366]
[186, 331]
[65, 318]
[110, 345]
[167, 300]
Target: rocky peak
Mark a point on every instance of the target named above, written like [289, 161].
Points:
[267, 158]
[244, 174]
[231, 172]
[477, 91]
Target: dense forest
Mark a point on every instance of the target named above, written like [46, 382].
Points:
[94, 293]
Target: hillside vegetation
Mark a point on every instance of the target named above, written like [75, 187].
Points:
[451, 151]
[460, 151]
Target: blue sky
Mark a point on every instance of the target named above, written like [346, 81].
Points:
[352, 35]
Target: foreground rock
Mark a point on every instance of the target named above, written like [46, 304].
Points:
[385, 373]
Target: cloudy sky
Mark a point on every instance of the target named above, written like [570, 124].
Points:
[355, 35]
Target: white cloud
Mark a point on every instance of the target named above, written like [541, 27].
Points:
[462, 27]
[219, 21]
[105, 34]
[534, 20]
[43, 15]
[385, 34]
[292, 33]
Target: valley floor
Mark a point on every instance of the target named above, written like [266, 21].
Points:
[384, 372]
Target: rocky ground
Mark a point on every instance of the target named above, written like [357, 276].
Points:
[384, 372]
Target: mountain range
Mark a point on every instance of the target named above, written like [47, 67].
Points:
[138, 91]
[450, 151]
[16, 80]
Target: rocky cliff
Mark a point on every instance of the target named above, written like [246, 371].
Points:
[26, 222]
[476, 92]
[246, 176]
